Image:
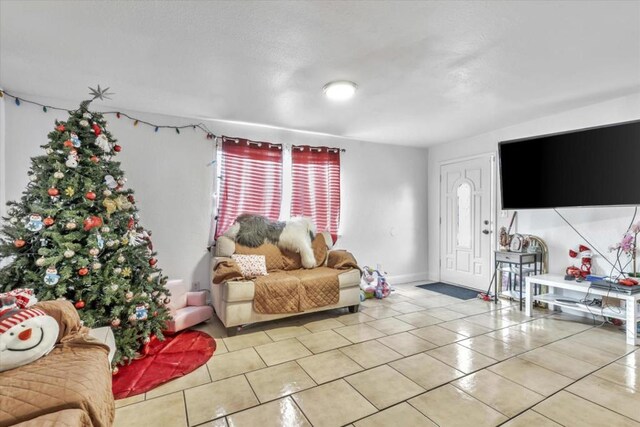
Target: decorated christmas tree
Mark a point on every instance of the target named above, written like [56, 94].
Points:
[75, 235]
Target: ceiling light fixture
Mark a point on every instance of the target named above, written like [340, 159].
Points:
[340, 90]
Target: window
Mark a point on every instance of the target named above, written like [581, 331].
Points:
[251, 181]
[315, 186]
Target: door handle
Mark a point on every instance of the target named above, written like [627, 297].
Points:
[485, 231]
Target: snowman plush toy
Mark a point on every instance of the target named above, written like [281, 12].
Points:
[26, 334]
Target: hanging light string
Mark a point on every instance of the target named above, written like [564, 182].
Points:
[136, 121]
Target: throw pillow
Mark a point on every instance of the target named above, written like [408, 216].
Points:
[251, 265]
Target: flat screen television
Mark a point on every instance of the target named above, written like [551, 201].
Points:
[588, 167]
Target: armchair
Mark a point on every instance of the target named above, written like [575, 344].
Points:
[187, 308]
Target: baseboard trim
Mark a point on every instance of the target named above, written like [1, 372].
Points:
[406, 278]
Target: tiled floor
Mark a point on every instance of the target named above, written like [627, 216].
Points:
[416, 358]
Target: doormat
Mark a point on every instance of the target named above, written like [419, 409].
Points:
[451, 290]
[174, 357]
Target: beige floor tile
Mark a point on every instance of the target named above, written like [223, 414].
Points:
[354, 318]
[278, 381]
[632, 359]
[449, 406]
[419, 319]
[218, 422]
[529, 419]
[571, 410]
[558, 362]
[470, 308]
[278, 413]
[323, 325]
[286, 332]
[211, 401]
[531, 376]
[244, 340]
[437, 335]
[623, 375]
[426, 371]
[403, 413]
[333, 404]
[501, 394]
[619, 399]
[129, 400]
[197, 377]
[592, 355]
[234, 363]
[213, 327]
[493, 348]
[370, 353]
[541, 332]
[282, 351]
[381, 312]
[462, 358]
[406, 307]
[489, 321]
[406, 344]
[323, 341]
[384, 386]
[515, 336]
[329, 366]
[614, 341]
[444, 314]
[390, 325]
[221, 347]
[359, 333]
[164, 410]
[462, 327]
[569, 324]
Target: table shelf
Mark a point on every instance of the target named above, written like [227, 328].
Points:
[614, 312]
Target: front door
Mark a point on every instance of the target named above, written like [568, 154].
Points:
[466, 221]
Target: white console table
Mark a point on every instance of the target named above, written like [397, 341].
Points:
[629, 313]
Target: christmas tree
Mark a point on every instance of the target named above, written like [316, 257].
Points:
[75, 235]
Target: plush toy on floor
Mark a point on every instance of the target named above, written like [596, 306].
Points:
[26, 334]
[373, 284]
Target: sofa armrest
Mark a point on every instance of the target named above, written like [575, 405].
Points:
[341, 260]
[195, 299]
[225, 269]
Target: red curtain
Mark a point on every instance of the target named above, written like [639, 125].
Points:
[315, 186]
[251, 175]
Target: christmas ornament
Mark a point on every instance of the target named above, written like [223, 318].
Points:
[90, 195]
[141, 312]
[111, 243]
[68, 253]
[49, 151]
[114, 287]
[48, 221]
[68, 143]
[79, 305]
[87, 115]
[72, 159]
[122, 203]
[117, 148]
[69, 191]
[105, 229]
[103, 143]
[110, 181]
[75, 140]
[106, 193]
[58, 175]
[35, 222]
[92, 222]
[83, 271]
[96, 129]
[120, 259]
[110, 205]
[60, 127]
[115, 323]
[125, 241]
[13, 220]
[96, 266]
[153, 262]
[133, 318]
[128, 296]
[95, 159]
[126, 272]
[130, 198]
[53, 191]
[131, 223]
[84, 123]
[51, 277]
[100, 241]
[40, 262]
[117, 270]
[33, 178]
[122, 181]
[143, 295]
[18, 243]
[94, 251]
[115, 371]
[71, 225]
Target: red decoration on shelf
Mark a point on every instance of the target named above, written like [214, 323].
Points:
[153, 262]
[90, 195]
[96, 129]
[117, 148]
[60, 128]
[48, 221]
[79, 304]
[92, 222]
[18, 243]
[68, 143]
[83, 271]
[53, 192]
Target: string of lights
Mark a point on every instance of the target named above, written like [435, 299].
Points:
[18, 101]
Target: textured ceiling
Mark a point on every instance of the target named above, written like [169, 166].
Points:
[428, 72]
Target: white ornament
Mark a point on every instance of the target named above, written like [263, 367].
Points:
[87, 115]
[143, 295]
[33, 178]
[105, 229]
[117, 270]
[111, 243]
[71, 225]
[68, 253]
[94, 251]
[35, 222]
[13, 220]
[58, 175]
[106, 193]
[110, 181]
[96, 266]
[49, 151]
[128, 296]
[51, 277]
[72, 159]
[122, 181]
[114, 287]
[84, 123]
[103, 142]
[40, 261]
[121, 259]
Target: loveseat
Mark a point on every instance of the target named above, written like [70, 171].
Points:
[287, 289]
[70, 386]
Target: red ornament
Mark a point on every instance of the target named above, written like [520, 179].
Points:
[130, 198]
[68, 143]
[48, 221]
[95, 159]
[117, 148]
[153, 262]
[92, 222]
[18, 243]
[96, 129]
[155, 314]
[131, 223]
[118, 115]
[115, 371]
[90, 195]
[79, 304]
[83, 271]
[53, 192]
[60, 128]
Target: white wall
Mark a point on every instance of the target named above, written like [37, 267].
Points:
[603, 226]
[384, 187]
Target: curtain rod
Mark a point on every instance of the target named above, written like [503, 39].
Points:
[271, 144]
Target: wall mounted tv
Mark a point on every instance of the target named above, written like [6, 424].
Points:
[588, 167]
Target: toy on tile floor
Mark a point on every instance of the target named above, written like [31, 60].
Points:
[374, 283]
[584, 253]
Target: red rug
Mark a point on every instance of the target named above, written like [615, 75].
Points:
[174, 357]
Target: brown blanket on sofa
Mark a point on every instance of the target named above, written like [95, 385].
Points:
[74, 375]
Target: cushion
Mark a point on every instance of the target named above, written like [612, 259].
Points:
[251, 265]
[65, 314]
[292, 260]
[272, 254]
